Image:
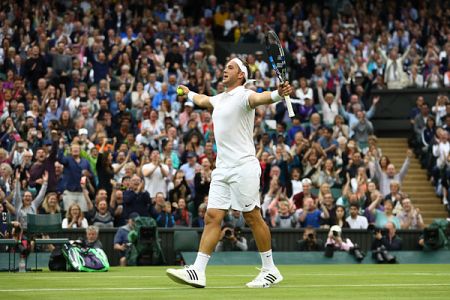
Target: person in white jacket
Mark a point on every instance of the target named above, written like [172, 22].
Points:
[394, 75]
[329, 104]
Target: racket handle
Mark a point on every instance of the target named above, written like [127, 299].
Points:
[289, 106]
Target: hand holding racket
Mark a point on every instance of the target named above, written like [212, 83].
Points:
[278, 63]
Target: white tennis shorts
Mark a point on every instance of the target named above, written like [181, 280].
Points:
[236, 187]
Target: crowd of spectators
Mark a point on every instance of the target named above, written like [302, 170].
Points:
[92, 126]
[430, 141]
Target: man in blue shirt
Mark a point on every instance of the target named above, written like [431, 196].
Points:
[163, 95]
[76, 169]
[311, 216]
[328, 144]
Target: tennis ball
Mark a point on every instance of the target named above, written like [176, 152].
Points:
[180, 91]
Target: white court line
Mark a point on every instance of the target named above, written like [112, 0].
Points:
[376, 285]
[105, 275]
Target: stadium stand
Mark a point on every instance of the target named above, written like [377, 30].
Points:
[88, 96]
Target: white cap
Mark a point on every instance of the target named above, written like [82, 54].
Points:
[336, 228]
[306, 181]
[82, 131]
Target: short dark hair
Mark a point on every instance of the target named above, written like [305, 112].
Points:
[354, 205]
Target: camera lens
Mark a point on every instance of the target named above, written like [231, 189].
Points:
[335, 233]
[310, 236]
[228, 233]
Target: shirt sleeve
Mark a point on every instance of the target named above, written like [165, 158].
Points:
[214, 99]
[247, 94]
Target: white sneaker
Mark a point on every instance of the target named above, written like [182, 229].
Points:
[188, 275]
[266, 278]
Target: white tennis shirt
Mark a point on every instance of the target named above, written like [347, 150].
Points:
[233, 120]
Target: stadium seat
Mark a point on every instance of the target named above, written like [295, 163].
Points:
[45, 223]
[336, 192]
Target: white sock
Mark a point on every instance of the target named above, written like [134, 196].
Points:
[201, 261]
[267, 260]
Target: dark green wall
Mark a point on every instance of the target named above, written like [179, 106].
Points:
[284, 239]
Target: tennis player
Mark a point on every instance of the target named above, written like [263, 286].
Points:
[235, 181]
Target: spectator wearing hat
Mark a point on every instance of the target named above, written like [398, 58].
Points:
[184, 116]
[121, 242]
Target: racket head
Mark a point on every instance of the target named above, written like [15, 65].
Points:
[275, 54]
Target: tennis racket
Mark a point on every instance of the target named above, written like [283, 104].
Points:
[278, 63]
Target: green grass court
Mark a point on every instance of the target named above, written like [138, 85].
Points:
[228, 282]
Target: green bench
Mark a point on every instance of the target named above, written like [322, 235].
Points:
[45, 223]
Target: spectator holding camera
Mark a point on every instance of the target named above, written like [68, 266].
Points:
[387, 238]
[231, 240]
[335, 240]
[309, 241]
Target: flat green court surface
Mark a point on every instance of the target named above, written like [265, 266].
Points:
[228, 282]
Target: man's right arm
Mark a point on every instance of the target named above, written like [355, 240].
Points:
[199, 99]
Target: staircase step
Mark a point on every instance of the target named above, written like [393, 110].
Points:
[392, 140]
[415, 183]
